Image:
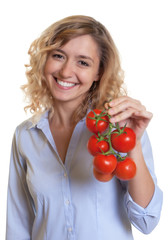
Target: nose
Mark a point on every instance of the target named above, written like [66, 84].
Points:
[66, 70]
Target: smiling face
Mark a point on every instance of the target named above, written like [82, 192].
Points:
[71, 69]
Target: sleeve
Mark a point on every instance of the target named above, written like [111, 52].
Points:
[145, 219]
[20, 213]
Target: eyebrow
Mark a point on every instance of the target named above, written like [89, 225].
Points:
[85, 57]
[79, 56]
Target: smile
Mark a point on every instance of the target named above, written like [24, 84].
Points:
[65, 84]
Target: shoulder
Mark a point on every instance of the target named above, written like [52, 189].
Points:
[24, 126]
[21, 133]
[28, 126]
[31, 122]
[26, 135]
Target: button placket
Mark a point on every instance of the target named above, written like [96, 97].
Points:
[67, 205]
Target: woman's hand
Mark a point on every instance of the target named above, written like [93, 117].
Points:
[128, 110]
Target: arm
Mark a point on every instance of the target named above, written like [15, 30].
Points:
[19, 210]
[130, 111]
[143, 198]
[141, 187]
[146, 219]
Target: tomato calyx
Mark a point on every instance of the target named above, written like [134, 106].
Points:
[97, 121]
[101, 137]
[98, 117]
[97, 144]
[123, 140]
[119, 130]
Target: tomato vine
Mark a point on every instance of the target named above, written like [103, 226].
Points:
[107, 144]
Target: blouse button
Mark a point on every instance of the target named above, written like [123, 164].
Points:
[67, 202]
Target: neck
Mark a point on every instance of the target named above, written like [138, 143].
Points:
[63, 115]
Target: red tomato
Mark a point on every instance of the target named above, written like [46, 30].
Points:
[105, 163]
[95, 122]
[125, 169]
[125, 141]
[95, 146]
[102, 177]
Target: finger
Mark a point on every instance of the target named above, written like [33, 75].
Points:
[131, 113]
[144, 114]
[124, 105]
[122, 116]
[119, 100]
[106, 105]
[114, 102]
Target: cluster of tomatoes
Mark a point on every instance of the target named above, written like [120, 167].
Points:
[106, 145]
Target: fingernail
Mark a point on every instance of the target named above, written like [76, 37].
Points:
[111, 103]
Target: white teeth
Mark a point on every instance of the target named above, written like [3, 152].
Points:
[65, 84]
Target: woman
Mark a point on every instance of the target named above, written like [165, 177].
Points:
[52, 194]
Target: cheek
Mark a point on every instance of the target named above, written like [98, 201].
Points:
[87, 77]
[50, 66]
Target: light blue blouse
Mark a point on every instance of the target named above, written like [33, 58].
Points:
[49, 200]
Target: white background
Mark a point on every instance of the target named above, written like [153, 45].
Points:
[139, 29]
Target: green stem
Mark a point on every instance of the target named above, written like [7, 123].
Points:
[107, 135]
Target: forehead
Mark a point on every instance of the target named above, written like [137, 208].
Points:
[84, 43]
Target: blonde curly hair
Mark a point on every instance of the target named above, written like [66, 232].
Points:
[110, 84]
